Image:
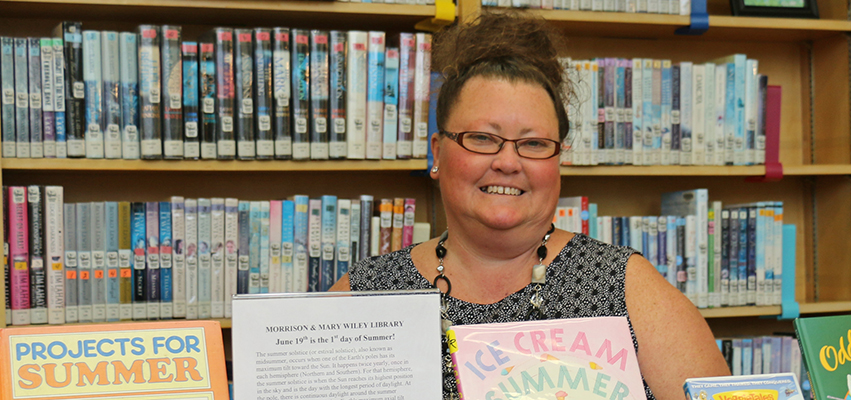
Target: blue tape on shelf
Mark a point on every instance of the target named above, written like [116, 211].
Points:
[699, 19]
[789, 307]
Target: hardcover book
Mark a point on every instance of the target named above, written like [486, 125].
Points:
[93, 77]
[822, 341]
[22, 98]
[337, 96]
[129, 87]
[191, 125]
[769, 386]
[562, 359]
[301, 94]
[356, 76]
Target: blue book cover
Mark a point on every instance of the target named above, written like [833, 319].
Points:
[243, 249]
[314, 245]
[300, 273]
[191, 126]
[264, 247]
[327, 275]
[129, 87]
[166, 276]
[287, 219]
[254, 247]
[138, 247]
[113, 289]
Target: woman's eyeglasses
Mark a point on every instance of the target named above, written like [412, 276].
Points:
[488, 143]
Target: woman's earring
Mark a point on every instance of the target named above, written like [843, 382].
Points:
[434, 169]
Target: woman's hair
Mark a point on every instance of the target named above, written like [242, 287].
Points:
[508, 45]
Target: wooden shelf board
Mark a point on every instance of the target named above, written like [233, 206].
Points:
[46, 164]
[662, 170]
[824, 169]
[225, 322]
[825, 307]
[748, 311]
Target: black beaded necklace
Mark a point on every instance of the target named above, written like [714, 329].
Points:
[539, 277]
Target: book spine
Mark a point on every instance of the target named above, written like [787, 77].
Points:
[225, 94]
[287, 245]
[386, 213]
[647, 112]
[375, 95]
[113, 284]
[356, 77]
[751, 254]
[22, 99]
[301, 94]
[217, 254]
[319, 93]
[93, 76]
[84, 258]
[337, 100]
[178, 239]
[281, 71]
[751, 91]
[70, 242]
[19, 254]
[715, 250]
[253, 248]
[682, 273]
[701, 246]
[710, 259]
[328, 240]
[231, 255]
[636, 110]
[166, 262]
[36, 114]
[739, 151]
[734, 257]
[7, 104]
[244, 260]
[398, 224]
[264, 247]
[656, 102]
[778, 253]
[150, 115]
[744, 276]
[111, 94]
[665, 116]
[265, 146]
[59, 98]
[138, 239]
[129, 87]
[627, 111]
[354, 231]
[207, 98]
[191, 123]
[709, 114]
[609, 83]
[698, 114]
[244, 91]
[48, 98]
[692, 285]
[366, 204]
[125, 262]
[172, 88]
[719, 114]
[152, 272]
[38, 276]
[762, 104]
[343, 237]
[204, 259]
[276, 278]
[391, 102]
[314, 245]
[725, 258]
[75, 91]
[764, 268]
[671, 247]
[619, 94]
[730, 113]
[97, 231]
[676, 133]
[54, 254]
[661, 246]
[686, 101]
[407, 66]
[408, 222]
[191, 231]
[422, 85]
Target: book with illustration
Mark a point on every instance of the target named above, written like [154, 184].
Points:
[783, 386]
[823, 344]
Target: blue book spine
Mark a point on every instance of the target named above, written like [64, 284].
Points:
[645, 239]
[344, 244]
[625, 231]
[129, 87]
[301, 93]
[7, 84]
[254, 248]
[264, 247]
[647, 110]
[617, 231]
[191, 125]
[48, 97]
[35, 98]
[328, 239]
[263, 93]
[22, 99]
[92, 75]
[779, 254]
[137, 243]
[667, 140]
[676, 134]
[747, 356]
[763, 285]
[657, 111]
[166, 276]
[300, 260]
[734, 257]
[740, 142]
[375, 95]
[113, 287]
[314, 245]
[287, 216]
[592, 220]
[244, 261]
[730, 114]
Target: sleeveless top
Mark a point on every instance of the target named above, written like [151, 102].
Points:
[586, 279]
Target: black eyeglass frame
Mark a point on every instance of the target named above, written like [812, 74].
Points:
[458, 137]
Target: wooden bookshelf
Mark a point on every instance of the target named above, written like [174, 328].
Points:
[23, 164]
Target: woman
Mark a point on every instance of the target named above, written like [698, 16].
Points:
[502, 119]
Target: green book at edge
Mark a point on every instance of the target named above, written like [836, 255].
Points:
[826, 346]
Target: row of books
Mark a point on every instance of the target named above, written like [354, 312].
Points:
[183, 258]
[717, 256]
[763, 355]
[235, 93]
[674, 7]
[644, 111]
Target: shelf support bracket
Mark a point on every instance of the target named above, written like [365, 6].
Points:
[699, 20]
[773, 173]
[444, 14]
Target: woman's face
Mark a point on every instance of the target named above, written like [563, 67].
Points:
[513, 111]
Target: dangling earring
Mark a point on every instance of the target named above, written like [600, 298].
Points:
[434, 169]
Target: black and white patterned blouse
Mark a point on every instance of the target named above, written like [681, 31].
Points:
[586, 279]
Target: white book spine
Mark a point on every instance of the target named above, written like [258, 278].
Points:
[751, 103]
[709, 114]
[48, 97]
[422, 87]
[375, 95]
[701, 248]
[717, 244]
[69, 231]
[204, 259]
[698, 114]
[178, 237]
[720, 106]
[217, 255]
[111, 73]
[665, 156]
[636, 228]
[264, 247]
[191, 231]
[55, 252]
[92, 75]
[231, 247]
[98, 242]
[777, 238]
[687, 142]
[356, 94]
[637, 112]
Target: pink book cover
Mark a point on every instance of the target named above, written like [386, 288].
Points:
[574, 359]
[408, 224]
[19, 251]
[276, 278]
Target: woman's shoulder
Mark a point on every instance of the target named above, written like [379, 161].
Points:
[391, 271]
[583, 249]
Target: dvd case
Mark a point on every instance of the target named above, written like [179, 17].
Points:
[150, 116]
[319, 136]
[129, 87]
[207, 100]
[172, 92]
[337, 100]
[244, 93]
[281, 124]
[225, 95]
[191, 122]
[301, 94]
[356, 77]
[375, 95]
[110, 56]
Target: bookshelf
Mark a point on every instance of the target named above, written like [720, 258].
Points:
[808, 58]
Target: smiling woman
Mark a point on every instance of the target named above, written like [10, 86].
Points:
[501, 120]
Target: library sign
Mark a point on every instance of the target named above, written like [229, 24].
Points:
[155, 360]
